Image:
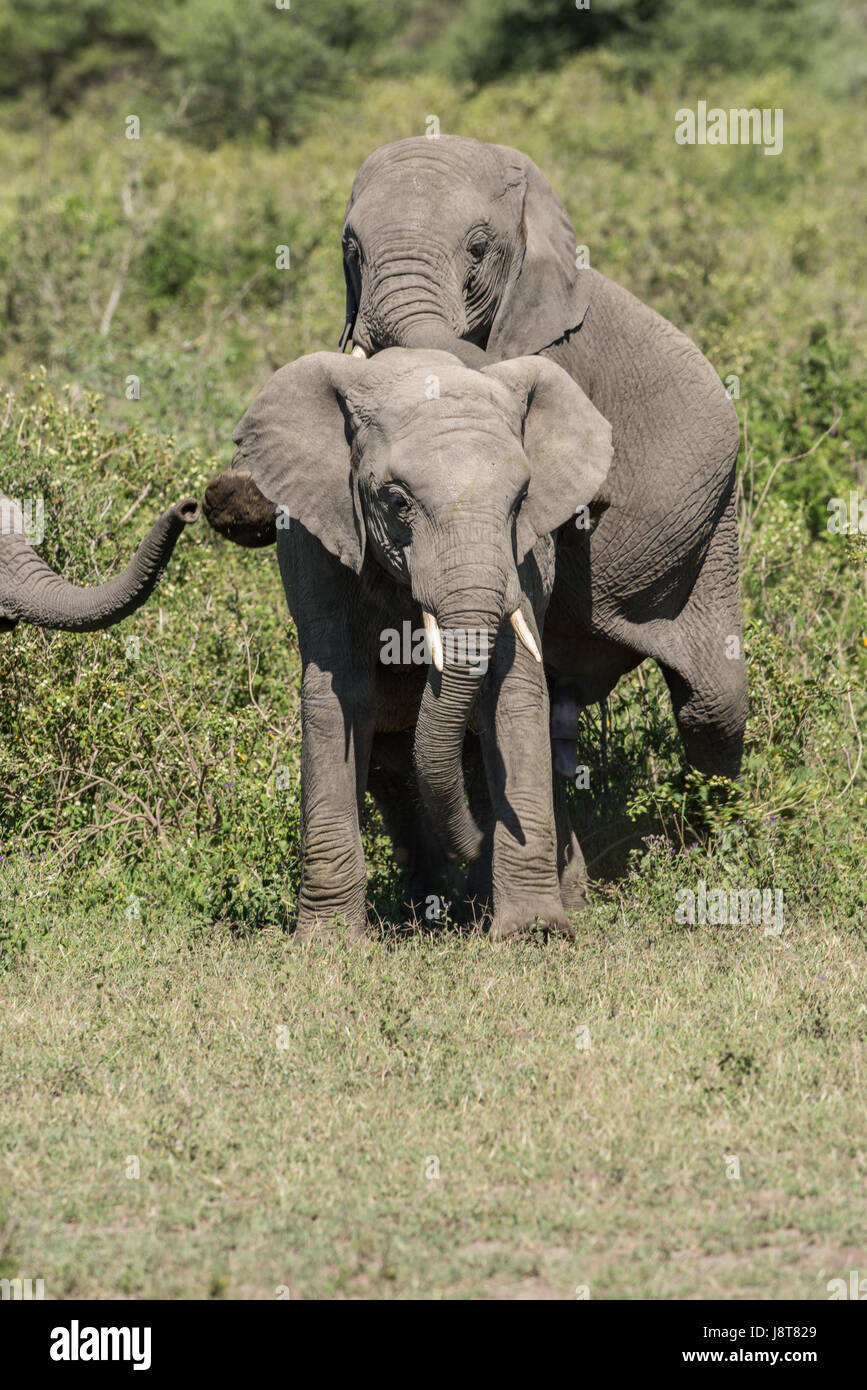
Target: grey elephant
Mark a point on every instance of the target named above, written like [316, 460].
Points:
[31, 592]
[462, 246]
[416, 499]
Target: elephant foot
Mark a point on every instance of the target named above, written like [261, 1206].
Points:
[573, 897]
[314, 927]
[517, 921]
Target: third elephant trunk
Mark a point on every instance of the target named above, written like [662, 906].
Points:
[31, 592]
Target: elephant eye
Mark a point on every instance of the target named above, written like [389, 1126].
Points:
[399, 503]
[477, 248]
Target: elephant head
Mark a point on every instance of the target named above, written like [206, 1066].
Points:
[455, 244]
[31, 592]
[446, 477]
[450, 244]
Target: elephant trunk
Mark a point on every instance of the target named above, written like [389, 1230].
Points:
[411, 300]
[464, 622]
[440, 337]
[31, 592]
[446, 706]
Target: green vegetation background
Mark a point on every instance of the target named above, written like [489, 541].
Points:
[149, 815]
[156, 257]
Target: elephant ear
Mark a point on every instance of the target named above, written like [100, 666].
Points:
[351, 307]
[547, 295]
[295, 442]
[566, 441]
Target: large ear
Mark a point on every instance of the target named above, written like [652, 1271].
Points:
[351, 295]
[351, 308]
[295, 441]
[566, 441]
[547, 295]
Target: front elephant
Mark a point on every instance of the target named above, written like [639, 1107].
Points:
[31, 592]
[417, 500]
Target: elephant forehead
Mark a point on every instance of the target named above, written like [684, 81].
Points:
[406, 388]
[427, 203]
[457, 158]
[455, 417]
[466, 462]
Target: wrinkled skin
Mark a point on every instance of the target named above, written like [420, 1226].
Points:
[464, 246]
[31, 592]
[405, 486]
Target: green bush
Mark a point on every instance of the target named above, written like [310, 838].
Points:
[164, 741]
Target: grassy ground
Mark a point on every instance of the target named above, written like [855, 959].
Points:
[288, 1107]
[285, 1105]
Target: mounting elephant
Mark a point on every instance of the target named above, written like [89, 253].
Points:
[463, 246]
[31, 592]
[417, 499]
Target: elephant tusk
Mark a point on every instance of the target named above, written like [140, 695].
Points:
[519, 623]
[431, 627]
[358, 352]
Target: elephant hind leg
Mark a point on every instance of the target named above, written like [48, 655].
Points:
[710, 706]
[704, 664]
[571, 869]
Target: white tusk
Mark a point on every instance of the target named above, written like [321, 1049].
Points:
[520, 625]
[431, 627]
[358, 352]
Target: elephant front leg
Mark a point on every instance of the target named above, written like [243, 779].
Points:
[336, 737]
[513, 723]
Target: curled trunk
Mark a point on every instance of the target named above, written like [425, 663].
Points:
[31, 592]
[442, 339]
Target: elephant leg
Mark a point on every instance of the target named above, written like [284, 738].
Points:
[704, 664]
[338, 715]
[427, 872]
[571, 870]
[513, 723]
[334, 758]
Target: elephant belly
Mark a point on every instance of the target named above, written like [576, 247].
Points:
[591, 665]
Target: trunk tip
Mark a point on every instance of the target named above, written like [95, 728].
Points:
[187, 511]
